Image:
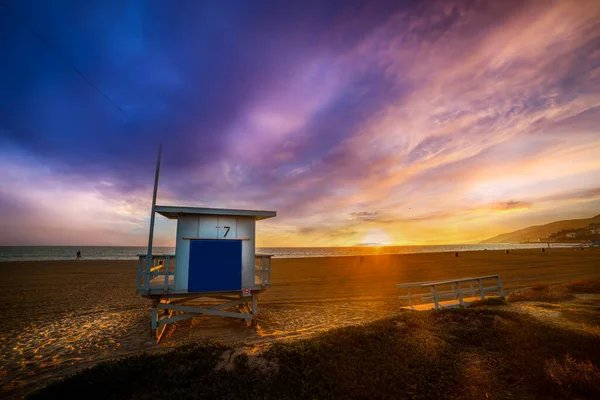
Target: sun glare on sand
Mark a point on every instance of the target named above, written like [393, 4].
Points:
[376, 237]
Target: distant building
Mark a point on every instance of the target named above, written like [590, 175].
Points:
[594, 229]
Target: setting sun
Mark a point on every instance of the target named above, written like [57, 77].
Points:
[376, 237]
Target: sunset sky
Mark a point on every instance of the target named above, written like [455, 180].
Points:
[395, 122]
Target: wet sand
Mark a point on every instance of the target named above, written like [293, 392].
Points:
[61, 316]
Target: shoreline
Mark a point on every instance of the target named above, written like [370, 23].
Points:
[367, 251]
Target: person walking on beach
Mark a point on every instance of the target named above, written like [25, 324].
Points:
[78, 254]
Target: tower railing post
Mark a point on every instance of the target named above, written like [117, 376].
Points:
[254, 308]
[481, 294]
[154, 323]
[167, 267]
[435, 296]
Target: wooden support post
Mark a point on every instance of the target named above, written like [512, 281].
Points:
[254, 309]
[460, 298]
[410, 303]
[154, 323]
[262, 271]
[500, 288]
[254, 304]
[481, 294]
[435, 296]
[472, 288]
[454, 291]
[269, 273]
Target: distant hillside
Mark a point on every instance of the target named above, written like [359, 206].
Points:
[541, 231]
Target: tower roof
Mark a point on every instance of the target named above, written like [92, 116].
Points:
[173, 212]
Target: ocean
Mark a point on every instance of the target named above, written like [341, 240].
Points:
[41, 253]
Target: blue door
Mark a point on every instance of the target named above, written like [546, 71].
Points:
[215, 266]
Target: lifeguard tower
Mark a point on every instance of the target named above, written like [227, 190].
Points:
[215, 259]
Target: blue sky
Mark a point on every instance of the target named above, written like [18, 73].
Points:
[398, 122]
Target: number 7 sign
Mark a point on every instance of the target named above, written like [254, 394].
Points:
[226, 228]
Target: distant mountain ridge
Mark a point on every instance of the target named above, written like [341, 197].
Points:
[532, 233]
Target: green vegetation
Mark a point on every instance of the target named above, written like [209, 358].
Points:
[464, 354]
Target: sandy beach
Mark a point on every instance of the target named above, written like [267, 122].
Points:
[61, 316]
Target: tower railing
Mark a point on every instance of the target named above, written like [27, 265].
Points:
[162, 265]
[262, 269]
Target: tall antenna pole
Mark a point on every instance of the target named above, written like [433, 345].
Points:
[151, 234]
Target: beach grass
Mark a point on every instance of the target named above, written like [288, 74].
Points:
[492, 301]
[571, 375]
[550, 293]
[459, 354]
